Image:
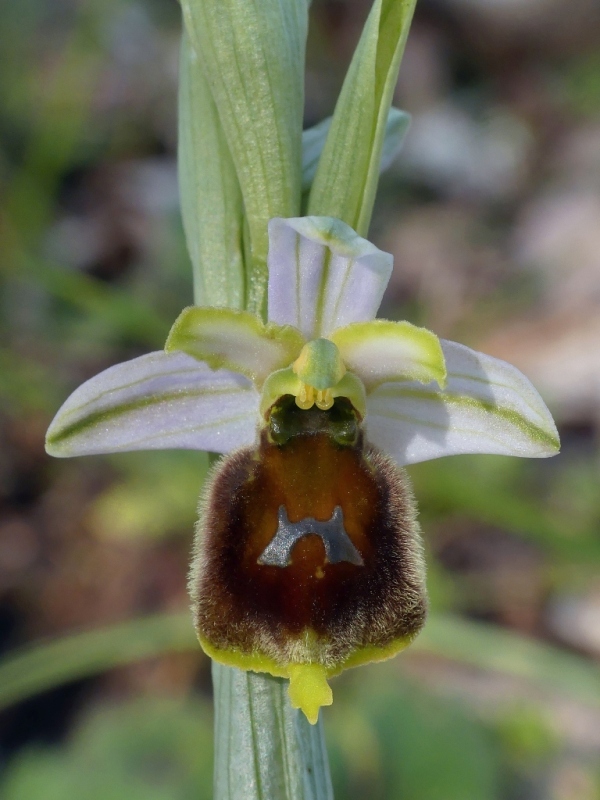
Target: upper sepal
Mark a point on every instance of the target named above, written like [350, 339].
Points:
[322, 275]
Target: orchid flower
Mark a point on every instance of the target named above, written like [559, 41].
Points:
[308, 557]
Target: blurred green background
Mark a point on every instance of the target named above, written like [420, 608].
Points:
[492, 213]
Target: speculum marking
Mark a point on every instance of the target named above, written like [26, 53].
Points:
[337, 543]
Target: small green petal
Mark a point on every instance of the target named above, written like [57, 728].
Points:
[236, 340]
[353, 388]
[381, 351]
[285, 381]
[278, 384]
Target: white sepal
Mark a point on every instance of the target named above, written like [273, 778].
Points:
[488, 406]
[322, 275]
[155, 402]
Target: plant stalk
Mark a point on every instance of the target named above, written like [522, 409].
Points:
[265, 749]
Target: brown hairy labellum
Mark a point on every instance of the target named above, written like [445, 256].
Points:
[308, 550]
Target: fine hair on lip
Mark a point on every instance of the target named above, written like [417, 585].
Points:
[308, 609]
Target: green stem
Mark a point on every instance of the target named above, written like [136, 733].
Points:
[264, 749]
[241, 103]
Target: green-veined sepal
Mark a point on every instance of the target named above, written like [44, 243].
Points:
[322, 275]
[155, 402]
[488, 406]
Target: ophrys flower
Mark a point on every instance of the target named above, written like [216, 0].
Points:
[308, 555]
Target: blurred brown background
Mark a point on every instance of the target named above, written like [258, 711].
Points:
[492, 212]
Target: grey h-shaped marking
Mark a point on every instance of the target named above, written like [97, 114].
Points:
[338, 545]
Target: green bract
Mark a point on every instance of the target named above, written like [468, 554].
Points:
[259, 97]
[348, 171]
[211, 198]
[313, 141]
